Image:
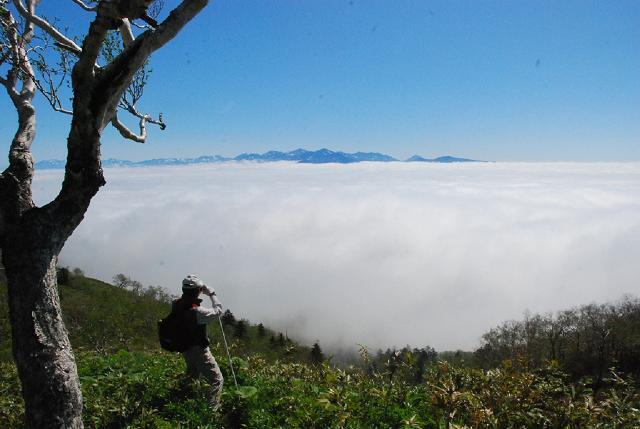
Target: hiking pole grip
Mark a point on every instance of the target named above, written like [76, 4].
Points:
[226, 346]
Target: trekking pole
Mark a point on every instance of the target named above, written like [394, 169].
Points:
[226, 346]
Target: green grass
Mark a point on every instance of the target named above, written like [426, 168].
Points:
[147, 390]
[128, 382]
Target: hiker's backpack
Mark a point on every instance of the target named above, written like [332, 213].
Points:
[175, 332]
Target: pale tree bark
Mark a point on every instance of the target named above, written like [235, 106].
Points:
[31, 237]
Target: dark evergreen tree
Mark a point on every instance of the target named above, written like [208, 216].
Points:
[423, 357]
[228, 318]
[261, 330]
[317, 356]
[240, 330]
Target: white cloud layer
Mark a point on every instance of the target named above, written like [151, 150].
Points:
[380, 254]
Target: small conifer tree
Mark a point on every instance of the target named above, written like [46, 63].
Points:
[317, 356]
[240, 330]
[228, 318]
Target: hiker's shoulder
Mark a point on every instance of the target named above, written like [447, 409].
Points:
[179, 304]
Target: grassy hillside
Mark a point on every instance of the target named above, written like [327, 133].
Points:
[128, 382]
[104, 318]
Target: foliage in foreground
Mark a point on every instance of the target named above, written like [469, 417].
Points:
[148, 391]
[393, 389]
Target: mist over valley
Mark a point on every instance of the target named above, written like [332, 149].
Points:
[377, 254]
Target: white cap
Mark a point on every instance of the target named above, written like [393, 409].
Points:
[192, 282]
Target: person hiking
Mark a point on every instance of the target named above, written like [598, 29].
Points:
[197, 356]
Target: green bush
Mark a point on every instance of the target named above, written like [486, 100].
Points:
[138, 390]
[128, 383]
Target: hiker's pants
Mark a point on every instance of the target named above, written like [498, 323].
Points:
[200, 361]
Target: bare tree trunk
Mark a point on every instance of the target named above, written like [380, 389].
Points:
[41, 348]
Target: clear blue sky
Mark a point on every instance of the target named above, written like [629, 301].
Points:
[517, 80]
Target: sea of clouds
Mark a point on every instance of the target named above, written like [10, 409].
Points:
[371, 253]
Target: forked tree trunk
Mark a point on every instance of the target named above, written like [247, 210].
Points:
[30, 243]
[32, 240]
[32, 237]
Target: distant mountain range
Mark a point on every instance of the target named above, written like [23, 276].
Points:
[321, 156]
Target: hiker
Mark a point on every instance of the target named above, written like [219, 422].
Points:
[197, 356]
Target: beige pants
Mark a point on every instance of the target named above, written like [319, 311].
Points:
[200, 362]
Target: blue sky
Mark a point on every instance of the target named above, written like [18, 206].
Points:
[507, 81]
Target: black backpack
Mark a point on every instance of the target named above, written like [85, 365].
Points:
[175, 332]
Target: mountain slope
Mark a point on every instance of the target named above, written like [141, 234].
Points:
[105, 318]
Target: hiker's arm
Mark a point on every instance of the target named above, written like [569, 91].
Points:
[206, 315]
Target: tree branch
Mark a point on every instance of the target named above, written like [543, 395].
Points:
[141, 27]
[19, 58]
[14, 53]
[176, 20]
[97, 95]
[150, 21]
[106, 19]
[127, 133]
[28, 81]
[85, 6]
[132, 109]
[126, 33]
[118, 74]
[52, 97]
[16, 180]
[47, 28]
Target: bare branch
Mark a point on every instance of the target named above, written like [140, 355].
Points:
[142, 27]
[52, 97]
[47, 27]
[17, 54]
[53, 76]
[66, 48]
[85, 6]
[126, 33]
[97, 95]
[132, 109]
[119, 73]
[127, 133]
[152, 22]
